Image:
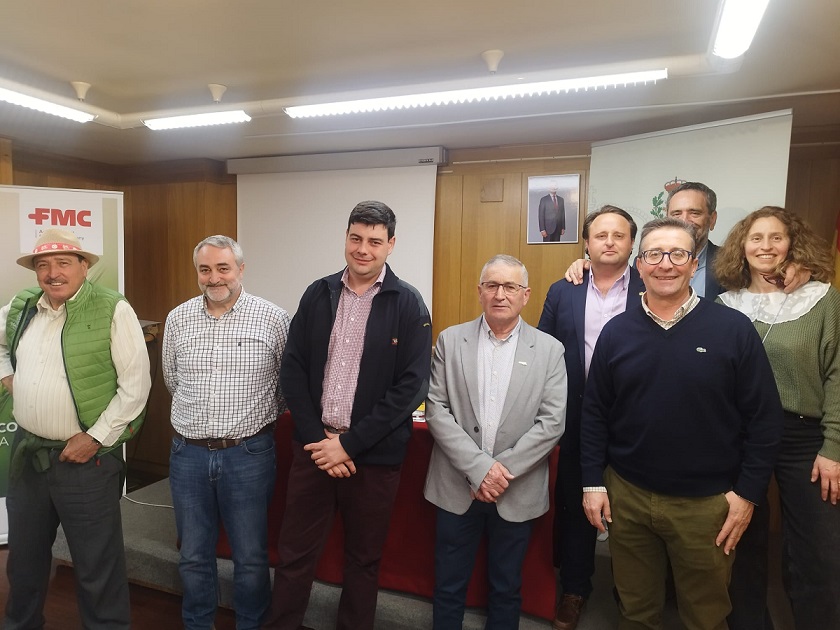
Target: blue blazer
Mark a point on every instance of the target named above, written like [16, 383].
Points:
[713, 288]
[563, 317]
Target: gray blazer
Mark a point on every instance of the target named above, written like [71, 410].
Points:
[532, 422]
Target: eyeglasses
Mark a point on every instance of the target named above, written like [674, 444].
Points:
[510, 288]
[677, 256]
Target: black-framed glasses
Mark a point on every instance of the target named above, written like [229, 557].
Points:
[510, 288]
[677, 256]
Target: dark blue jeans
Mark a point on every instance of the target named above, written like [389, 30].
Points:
[810, 530]
[456, 544]
[234, 484]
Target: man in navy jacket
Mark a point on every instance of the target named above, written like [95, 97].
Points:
[356, 366]
[575, 314]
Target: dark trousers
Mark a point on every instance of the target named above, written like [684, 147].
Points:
[748, 586]
[553, 237]
[456, 544]
[810, 540]
[810, 530]
[574, 536]
[365, 501]
[85, 499]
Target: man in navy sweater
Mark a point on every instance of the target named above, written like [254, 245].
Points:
[676, 470]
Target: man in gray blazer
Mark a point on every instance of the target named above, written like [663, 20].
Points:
[496, 408]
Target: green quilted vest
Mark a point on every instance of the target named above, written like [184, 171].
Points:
[86, 346]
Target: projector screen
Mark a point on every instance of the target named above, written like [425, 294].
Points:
[744, 160]
[292, 225]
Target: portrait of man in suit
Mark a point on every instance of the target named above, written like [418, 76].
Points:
[552, 215]
[553, 202]
[496, 408]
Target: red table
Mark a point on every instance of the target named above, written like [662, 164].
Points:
[408, 558]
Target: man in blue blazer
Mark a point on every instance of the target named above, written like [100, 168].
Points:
[575, 314]
[696, 204]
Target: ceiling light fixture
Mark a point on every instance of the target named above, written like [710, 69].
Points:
[738, 23]
[30, 102]
[197, 120]
[473, 94]
[200, 120]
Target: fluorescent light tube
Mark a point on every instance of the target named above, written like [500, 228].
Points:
[16, 98]
[738, 24]
[197, 120]
[474, 94]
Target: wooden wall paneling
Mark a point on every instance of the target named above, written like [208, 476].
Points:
[798, 194]
[220, 206]
[825, 196]
[446, 270]
[488, 228]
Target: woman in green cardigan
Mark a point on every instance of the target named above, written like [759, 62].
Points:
[801, 334]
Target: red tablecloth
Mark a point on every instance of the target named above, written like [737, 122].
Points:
[408, 557]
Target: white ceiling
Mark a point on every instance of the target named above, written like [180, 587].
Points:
[158, 56]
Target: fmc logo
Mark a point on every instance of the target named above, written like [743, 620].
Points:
[57, 216]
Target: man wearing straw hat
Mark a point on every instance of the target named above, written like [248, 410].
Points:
[72, 355]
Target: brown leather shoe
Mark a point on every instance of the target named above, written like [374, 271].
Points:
[568, 612]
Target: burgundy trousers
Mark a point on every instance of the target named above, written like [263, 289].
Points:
[364, 500]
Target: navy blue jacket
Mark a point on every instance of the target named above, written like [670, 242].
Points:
[713, 288]
[393, 374]
[563, 317]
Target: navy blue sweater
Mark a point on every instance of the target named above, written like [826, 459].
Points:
[689, 411]
[393, 374]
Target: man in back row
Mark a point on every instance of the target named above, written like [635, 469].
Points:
[575, 315]
[696, 204]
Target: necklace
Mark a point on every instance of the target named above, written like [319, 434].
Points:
[775, 318]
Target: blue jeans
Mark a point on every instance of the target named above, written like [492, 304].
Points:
[236, 485]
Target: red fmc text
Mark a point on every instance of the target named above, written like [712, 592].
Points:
[57, 216]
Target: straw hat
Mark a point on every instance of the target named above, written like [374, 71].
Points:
[55, 241]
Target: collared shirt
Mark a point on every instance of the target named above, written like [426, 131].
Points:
[495, 365]
[223, 372]
[347, 342]
[681, 312]
[43, 402]
[600, 309]
[698, 280]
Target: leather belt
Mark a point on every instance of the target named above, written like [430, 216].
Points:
[217, 444]
[335, 430]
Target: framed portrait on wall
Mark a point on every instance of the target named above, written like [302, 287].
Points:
[553, 208]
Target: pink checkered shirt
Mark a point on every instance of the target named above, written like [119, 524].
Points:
[347, 341]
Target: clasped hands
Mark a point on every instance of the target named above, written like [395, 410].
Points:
[495, 482]
[329, 455]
